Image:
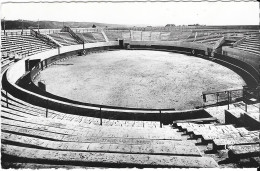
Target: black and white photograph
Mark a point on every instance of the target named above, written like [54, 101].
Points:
[121, 84]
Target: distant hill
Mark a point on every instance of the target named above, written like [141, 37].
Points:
[17, 24]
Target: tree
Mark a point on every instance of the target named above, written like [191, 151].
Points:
[94, 26]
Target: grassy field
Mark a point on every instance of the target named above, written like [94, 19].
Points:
[141, 78]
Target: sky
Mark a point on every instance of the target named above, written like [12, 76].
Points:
[138, 13]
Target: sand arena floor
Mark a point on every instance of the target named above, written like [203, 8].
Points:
[140, 78]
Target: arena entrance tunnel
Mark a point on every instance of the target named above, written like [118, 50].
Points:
[18, 81]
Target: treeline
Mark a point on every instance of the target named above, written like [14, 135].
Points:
[26, 24]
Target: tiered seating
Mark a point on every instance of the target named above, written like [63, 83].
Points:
[220, 136]
[41, 112]
[165, 36]
[155, 36]
[87, 37]
[196, 35]
[64, 38]
[114, 35]
[146, 35]
[72, 140]
[136, 35]
[211, 39]
[98, 36]
[126, 35]
[179, 35]
[251, 44]
[6, 61]
[23, 45]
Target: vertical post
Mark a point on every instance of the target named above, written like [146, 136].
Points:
[22, 27]
[160, 119]
[100, 114]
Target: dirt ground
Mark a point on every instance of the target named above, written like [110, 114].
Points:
[138, 78]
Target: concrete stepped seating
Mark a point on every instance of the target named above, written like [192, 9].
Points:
[98, 36]
[210, 40]
[105, 159]
[243, 151]
[155, 36]
[83, 38]
[6, 65]
[151, 133]
[248, 50]
[24, 44]
[219, 135]
[33, 166]
[21, 106]
[249, 47]
[89, 37]
[4, 61]
[199, 120]
[66, 36]
[164, 149]
[59, 39]
[146, 35]
[62, 127]
[226, 142]
[113, 35]
[179, 35]
[165, 36]
[27, 138]
[126, 35]
[251, 44]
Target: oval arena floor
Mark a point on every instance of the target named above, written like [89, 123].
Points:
[138, 78]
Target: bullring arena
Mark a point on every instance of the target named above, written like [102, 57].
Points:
[178, 97]
[138, 79]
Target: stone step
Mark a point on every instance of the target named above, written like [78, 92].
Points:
[199, 120]
[238, 152]
[35, 110]
[33, 166]
[105, 159]
[166, 149]
[112, 131]
[86, 136]
[226, 142]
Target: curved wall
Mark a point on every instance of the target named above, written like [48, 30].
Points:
[17, 73]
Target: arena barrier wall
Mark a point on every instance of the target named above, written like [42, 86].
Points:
[17, 74]
[244, 65]
[249, 58]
